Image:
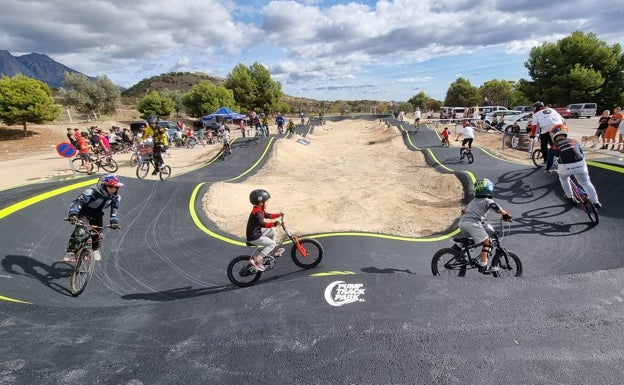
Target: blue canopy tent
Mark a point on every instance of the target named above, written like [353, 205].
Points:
[224, 113]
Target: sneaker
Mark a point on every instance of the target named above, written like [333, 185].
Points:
[69, 257]
[597, 205]
[96, 255]
[279, 252]
[257, 264]
[155, 171]
[485, 269]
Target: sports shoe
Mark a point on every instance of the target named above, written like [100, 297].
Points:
[485, 269]
[96, 255]
[69, 257]
[155, 171]
[279, 252]
[257, 264]
[597, 205]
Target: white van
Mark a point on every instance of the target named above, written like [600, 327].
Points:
[582, 109]
[459, 112]
[489, 109]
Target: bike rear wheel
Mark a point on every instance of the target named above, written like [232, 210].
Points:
[590, 209]
[508, 264]
[165, 172]
[142, 169]
[307, 254]
[134, 160]
[448, 262]
[83, 270]
[537, 158]
[79, 165]
[109, 165]
[241, 272]
[469, 156]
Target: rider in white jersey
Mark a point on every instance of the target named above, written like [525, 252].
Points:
[544, 118]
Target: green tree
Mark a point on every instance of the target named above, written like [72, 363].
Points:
[90, 97]
[462, 94]
[155, 104]
[177, 97]
[24, 100]
[253, 88]
[206, 97]
[577, 68]
[496, 92]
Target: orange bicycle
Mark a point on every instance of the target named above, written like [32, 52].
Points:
[305, 253]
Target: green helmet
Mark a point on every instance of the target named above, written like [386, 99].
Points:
[483, 188]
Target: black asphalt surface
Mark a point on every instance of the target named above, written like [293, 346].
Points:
[160, 309]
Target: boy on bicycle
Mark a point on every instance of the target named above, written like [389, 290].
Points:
[571, 162]
[259, 232]
[445, 135]
[472, 215]
[88, 208]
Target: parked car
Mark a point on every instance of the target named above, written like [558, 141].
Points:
[523, 108]
[490, 117]
[564, 112]
[582, 109]
[490, 109]
[522, 120]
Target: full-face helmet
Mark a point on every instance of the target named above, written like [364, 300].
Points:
[259, 195]
[152, 119]
[558, 130]
[109, 180]
[483, 188]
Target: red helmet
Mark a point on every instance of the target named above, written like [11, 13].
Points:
[110, 180]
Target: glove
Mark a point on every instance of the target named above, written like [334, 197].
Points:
[73, 219]
[277, 223]
[507, 218]
[114, 225]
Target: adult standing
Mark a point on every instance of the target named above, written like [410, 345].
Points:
[544, 118]
[614, 124]
[417, 116]
[241, 126]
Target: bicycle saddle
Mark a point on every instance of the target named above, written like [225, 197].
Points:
[466, 241]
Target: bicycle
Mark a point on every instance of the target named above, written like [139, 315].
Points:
[445, 142]
[83, 263]
[582, 198]
[467, 153]
[105, 162]
[305, 253]
[456, 260]
[226, 150]
[147, 159]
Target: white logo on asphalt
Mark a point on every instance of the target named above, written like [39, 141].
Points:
[340, 293]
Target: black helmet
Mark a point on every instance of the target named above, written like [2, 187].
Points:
[538, 106]
[259, 195]
[152, 119]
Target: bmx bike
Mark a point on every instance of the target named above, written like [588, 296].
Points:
[147, 160]
[456, 260]
[465, 152]
[83, 263]
[101, 161]
[305, 253]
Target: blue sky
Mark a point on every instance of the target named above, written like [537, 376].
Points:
[325, 50]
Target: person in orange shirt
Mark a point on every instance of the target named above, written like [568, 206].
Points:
[612, 129]
[84, 151]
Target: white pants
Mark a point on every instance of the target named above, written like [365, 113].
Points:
[581, 173]
[267, 239]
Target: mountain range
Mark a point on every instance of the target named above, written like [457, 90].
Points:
[35, 66]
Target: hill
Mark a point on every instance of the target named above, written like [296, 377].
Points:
[35, 66]
[172, 81]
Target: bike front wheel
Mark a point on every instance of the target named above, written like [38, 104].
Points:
[537, 158]
[448, 262]
[241, 272]
[134, 160]
[109, 165]
[82, 272]
[165, 172]
[307, 253]
[506, 264]
[142, 169]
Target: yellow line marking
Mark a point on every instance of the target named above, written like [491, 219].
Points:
[5, 212]
[332, 273]
[3, 298]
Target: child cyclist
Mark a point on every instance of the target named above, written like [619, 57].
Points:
[472, 215]
[571, 162]
[89, 208]
[259, 232]
[445, 136]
